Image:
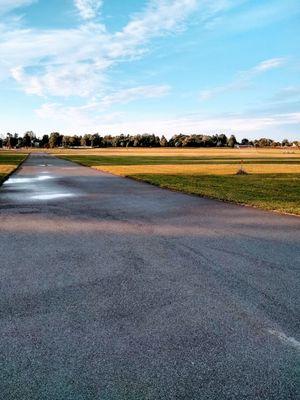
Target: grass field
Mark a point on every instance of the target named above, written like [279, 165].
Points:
[9, 161]
[272, 181]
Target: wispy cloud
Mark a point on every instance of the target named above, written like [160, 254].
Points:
[88, 9]
[81, 119]
[141, 92]
[243, 78]
[9, 5]
[44, 64]
[77, 79]
[287, 93]
[252, 15]
[93, 111]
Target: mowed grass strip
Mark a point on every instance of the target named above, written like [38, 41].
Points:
[196, 169]
[277, 192]
[11, 158]
[160, 160]
[9, 161]
[203, 153]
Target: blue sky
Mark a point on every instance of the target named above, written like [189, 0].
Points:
[160, 66]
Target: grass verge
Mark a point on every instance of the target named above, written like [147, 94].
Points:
[272, 182]
[9, 162]
[96, 160]
[277, 192]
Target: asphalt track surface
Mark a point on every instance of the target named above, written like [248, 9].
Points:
[115, 289]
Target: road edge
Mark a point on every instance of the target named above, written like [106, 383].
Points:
[14, 170]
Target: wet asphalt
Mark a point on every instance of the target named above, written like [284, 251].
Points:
[115, 289]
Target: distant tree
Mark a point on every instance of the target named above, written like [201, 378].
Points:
[177, 140]
[263, 142]
[231, 141]
[96, 140]
[55, 140]
[66, 141]
[28, 139]
[136, 140]
[45, 141]
[11, 140]
[245, 142]
[86, 140]
[285, 142]
[207, 141]
[20, 142]
[192, 141]
[74, 141]
[107, 141]
[222, 140]
[163, 142]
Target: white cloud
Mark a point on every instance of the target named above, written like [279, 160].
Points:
[95, 111]
[243, 78]
[265, 66]
[79, 120]
[161, 16]
[9, 5]
[77, 79]
[88, 9]
[74, 62]
[141, 92]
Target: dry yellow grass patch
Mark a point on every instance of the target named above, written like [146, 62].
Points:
[6, 169]
[203, 169]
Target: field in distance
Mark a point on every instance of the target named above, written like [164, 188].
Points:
[9, 161]
[272, 181]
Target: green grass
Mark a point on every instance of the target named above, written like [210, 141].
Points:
[155, 160]
[279, 192]
[11, 158]
[272, 191]
[8, 162]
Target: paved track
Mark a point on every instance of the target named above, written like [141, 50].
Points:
[114, 289]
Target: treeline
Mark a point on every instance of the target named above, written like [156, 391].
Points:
[55, 139]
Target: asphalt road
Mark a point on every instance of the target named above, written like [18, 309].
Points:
[114, 289]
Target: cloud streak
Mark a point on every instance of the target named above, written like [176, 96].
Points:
[243, 79]
[8, 5]
[141, 92]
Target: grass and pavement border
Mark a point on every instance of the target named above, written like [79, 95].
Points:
[5, 176]
[255, 190]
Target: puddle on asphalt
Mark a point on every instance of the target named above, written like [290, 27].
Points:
[51, 196]
[12, 181]
[40, 187]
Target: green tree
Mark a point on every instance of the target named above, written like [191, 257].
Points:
[45, 141]
[285, 142]
[55, 140]
[28, 138]
[163, 142]
[231, 141]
